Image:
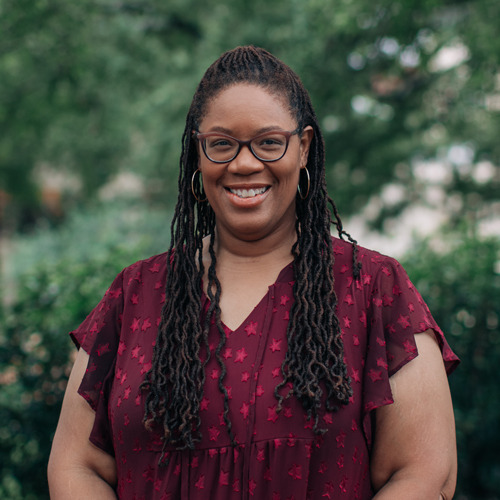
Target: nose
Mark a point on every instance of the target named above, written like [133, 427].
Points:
[245, 163]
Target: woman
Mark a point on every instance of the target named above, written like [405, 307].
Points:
[258, 357]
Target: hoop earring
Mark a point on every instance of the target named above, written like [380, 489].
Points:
[200, 188]
[304, 196]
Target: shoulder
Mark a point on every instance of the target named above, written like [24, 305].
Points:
[149, 274]
[372, 262]
[152, 266]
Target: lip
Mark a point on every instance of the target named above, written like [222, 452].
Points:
[247, 185]
[250, 201]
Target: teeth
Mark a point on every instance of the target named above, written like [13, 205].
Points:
[247, 193]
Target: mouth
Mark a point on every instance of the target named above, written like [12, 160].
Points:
[248, 193]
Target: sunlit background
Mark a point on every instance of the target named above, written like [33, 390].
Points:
[93, 98]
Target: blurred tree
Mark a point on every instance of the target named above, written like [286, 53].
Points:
[71, 76]
[460, 281]
[407, 91]
[93, 87]
[61, 275]
[34, 366]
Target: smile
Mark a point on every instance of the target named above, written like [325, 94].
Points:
[248, 193]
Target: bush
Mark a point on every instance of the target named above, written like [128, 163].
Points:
[59, 276]
[462, 288]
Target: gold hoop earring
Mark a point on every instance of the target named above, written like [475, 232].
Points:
[200, 188]
[304, 196]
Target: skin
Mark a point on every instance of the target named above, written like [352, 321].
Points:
[78, 470]
[413, 456]
[254, 235]
[414, 453]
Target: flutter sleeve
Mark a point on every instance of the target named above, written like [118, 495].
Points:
[396, 312]
[99, 337]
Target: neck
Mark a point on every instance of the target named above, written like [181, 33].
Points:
[277, 243]
[269, 251]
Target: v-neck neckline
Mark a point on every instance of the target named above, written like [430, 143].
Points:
[284, 276]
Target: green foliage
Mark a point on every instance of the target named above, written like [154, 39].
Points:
[90, 88]
[60, 276]
[461, 284]
[122, 227]
[34, 365]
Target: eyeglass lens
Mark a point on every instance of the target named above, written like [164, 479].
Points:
[268, 147]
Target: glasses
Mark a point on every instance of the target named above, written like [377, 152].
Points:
[222, 148]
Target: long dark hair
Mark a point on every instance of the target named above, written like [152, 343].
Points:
[314, 358]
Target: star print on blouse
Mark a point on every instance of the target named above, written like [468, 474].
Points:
[200, 484]
[375, 375]
[241, 354]
[214, 433]
[276, 345]
[349, 300]
[245, 410]
[272, 416]
[251, 328]
[329, 490]
[278, 456]
[103, 349]
[284, 299]
[155, 268]
[404, 321]
[295, 471]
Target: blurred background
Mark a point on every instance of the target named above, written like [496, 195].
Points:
[93, 98]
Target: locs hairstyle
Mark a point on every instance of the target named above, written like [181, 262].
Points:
[314, 360]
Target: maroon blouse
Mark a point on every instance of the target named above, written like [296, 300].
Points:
[278, 457]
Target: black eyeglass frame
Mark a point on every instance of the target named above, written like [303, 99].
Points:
[287, 134]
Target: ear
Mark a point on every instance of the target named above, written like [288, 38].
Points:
[305, 143]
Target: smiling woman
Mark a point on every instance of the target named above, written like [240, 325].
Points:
[259, 356]
[261, 121]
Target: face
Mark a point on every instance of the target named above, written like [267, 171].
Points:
[251, 198]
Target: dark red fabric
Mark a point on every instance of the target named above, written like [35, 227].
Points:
[278, 456]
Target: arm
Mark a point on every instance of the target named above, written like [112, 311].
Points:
[414, 451]
[78, 469]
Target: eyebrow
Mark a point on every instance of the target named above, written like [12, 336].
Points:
[263, 130]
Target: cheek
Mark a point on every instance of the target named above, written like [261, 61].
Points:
[290, 182]
[210, 175]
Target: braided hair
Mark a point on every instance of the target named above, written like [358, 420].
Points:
[314, 362]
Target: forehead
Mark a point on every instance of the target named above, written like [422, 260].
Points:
[248, 105]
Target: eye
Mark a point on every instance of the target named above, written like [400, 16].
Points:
[270, 142]
[219, 143]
